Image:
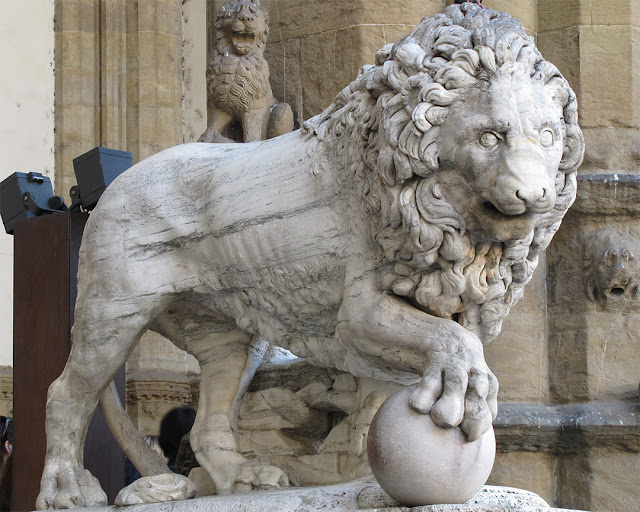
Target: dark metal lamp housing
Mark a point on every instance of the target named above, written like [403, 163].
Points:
[27, 195]
[95, 170]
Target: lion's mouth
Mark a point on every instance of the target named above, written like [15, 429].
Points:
[243, 40]
[492, 208]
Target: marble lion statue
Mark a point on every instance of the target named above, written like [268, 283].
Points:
[240, 95]
[387, 238]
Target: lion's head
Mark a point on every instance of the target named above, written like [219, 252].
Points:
[241, 27]
[468, 148]
[238, 74]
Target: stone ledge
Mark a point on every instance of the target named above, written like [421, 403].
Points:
[363, 495]
[607, 194]
[567, 428]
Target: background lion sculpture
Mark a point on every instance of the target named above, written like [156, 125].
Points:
[387, 238]
[241, 106]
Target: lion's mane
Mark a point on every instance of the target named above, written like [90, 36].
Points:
[234, 81]
[392, 112]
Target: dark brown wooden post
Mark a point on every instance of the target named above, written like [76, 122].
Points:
[45, 269]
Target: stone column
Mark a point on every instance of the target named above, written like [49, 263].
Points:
[119, 84]
[78, 123]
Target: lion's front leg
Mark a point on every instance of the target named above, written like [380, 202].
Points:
[255, 121]
[217, 121]
[457, 387]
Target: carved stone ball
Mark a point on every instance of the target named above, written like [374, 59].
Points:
[418, 463]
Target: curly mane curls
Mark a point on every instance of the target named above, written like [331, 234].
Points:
[392, 113]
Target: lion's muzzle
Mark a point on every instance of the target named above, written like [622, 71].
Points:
[523, 184]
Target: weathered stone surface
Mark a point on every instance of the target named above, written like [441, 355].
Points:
[616, 479]
[568, 428]
[361, 495]
[614, 150]
[530, 470]
[559, 15]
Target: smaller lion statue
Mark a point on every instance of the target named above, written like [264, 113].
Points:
[241, 106]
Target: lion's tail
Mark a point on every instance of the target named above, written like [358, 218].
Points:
[144, 458]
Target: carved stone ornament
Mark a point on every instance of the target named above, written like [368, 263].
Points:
[241, 106]
[612, 269]
[387, 238]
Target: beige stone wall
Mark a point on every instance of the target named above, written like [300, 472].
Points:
[595, 45]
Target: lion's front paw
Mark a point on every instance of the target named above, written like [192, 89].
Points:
[261, 474]
[67, 485]
[459, 390]
[213, 136]
[157, 489]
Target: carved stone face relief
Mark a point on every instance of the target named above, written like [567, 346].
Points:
[612, 269]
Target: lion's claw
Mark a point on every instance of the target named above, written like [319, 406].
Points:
[455, 396]
[260, 474]
[66, 485]
[427, 392]
[156, 489]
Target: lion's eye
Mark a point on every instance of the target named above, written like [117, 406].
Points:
[489, 140]
[546, 138]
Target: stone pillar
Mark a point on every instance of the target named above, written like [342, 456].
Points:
[154, 80]
[119, 84]
[77, 93]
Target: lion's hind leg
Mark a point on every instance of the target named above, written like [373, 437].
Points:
[105, 333]
[228, 359]
[223, 359]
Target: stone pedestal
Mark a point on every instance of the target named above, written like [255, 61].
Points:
[362, 495]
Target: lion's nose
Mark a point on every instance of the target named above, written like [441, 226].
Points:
[523, 185]
[245, 18]
[530, 195]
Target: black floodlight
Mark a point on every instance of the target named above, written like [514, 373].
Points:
[27, 195]
[95, 170]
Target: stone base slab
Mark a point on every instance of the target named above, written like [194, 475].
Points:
[362, 495]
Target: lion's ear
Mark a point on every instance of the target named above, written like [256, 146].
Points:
[573, 148]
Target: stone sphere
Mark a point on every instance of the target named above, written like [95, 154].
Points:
[418, 463]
